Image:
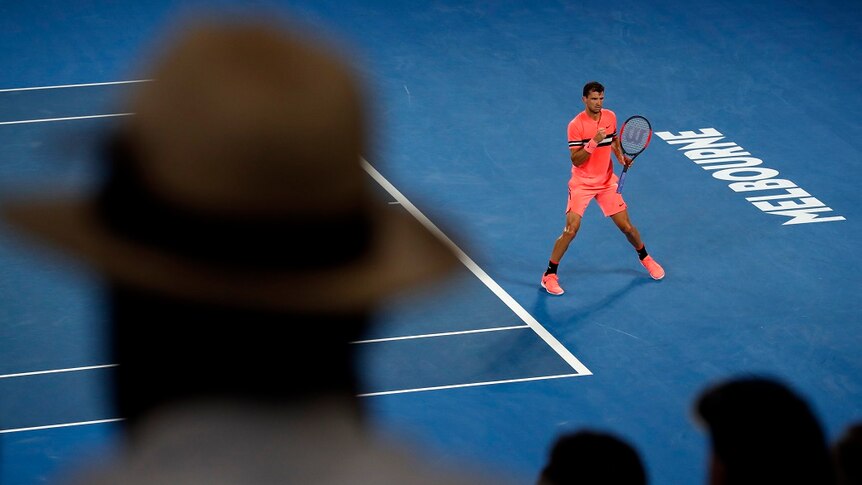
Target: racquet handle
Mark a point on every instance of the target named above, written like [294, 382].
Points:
[622, 179]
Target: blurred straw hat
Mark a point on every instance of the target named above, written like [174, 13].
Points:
[238, 181]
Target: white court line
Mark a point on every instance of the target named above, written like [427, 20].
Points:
[9, 90]
[471, 384]
[56, 371]
[441, 334]
[46, 120]
[63, 425]
[541, 331]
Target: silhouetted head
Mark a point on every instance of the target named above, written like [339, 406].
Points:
[762, 432]
[592, 458]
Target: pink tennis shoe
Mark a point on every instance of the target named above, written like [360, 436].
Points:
[551, 283]
[655, 269]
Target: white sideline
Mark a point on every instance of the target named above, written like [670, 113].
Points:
[56, 371]
[472, 384]
[68, 118]
[441, 334]
[84, 85]
[507, 299]
[62, 425]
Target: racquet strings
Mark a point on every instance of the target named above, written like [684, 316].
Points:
[635, 135]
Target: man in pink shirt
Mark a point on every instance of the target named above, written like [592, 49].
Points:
[592, 138]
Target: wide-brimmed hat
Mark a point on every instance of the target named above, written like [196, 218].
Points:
[239, 181]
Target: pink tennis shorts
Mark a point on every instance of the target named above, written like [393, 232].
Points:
[607, 197]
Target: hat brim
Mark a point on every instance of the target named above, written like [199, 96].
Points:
[402, 255]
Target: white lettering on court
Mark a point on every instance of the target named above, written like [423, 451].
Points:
[729, 162]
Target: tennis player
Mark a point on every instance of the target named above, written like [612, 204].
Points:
[592, 138]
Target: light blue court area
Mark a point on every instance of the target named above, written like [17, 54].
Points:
[747, 195]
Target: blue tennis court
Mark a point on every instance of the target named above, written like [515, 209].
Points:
[746, 195]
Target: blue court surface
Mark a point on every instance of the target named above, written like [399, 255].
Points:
[748, 196]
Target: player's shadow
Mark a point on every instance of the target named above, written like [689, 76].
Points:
[541, 310]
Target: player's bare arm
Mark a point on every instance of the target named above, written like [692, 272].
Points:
[579, 156]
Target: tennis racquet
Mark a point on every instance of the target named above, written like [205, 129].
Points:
[634, 138]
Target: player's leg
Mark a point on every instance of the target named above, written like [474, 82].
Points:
[550, 281]
[621, 219]
[561, 245]
[575, 207]
[613, 206]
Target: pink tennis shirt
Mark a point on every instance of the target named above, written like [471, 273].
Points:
[597, 170]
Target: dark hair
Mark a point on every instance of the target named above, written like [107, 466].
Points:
[593, 86]
[590, 457]
[762, 432]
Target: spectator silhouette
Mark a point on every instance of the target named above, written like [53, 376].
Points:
[243, 251]
[762, 432]
[592, 458]
[847, 456]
